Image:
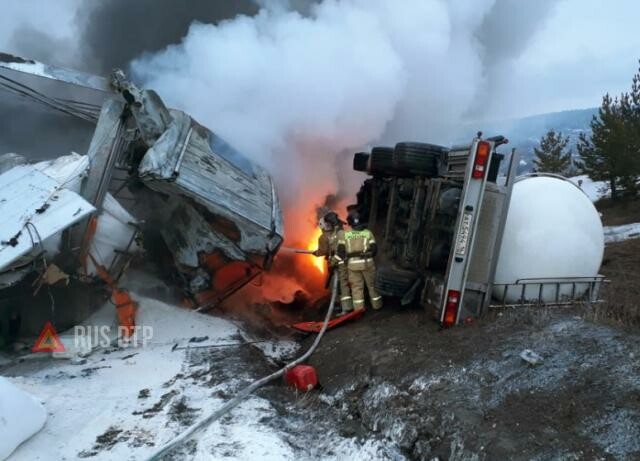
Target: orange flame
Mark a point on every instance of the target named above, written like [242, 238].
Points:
[318, 262]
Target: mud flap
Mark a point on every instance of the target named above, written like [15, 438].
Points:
[315, 327]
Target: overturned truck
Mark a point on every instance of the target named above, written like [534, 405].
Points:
[204, 208]
[439, 216]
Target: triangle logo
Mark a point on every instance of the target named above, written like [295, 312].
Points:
[48, 341]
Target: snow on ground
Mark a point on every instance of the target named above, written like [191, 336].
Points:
[595, 190]
[118, 394]
[620, 233]
[21, 416]
[276, 350]
[125, 402]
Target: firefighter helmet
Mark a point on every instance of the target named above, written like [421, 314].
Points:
[354, 219]
[332, 219]
[324, 225]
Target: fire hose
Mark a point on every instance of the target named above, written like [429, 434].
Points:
[298, 251]
[244, 393]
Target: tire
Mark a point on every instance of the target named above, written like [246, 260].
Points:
[418, 159]
[449, 201]
[381, 162]
[361, 161]
[439, 256]
[394, 282]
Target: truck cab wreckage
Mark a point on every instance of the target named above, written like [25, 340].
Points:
[150, 173]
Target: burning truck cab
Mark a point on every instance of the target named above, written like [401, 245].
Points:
[206, 211]
[217, 212]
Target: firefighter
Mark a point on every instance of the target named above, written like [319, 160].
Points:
[358, 247]
[331, 226]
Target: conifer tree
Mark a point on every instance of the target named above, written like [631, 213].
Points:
[552, 156]
[612, 152]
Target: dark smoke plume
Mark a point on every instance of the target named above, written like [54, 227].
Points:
[117, 31]
[112, 33]
[40, 133]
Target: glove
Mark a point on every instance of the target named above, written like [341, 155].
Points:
[373, 249]
[334, 260]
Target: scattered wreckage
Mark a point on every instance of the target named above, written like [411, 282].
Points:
[152, 177]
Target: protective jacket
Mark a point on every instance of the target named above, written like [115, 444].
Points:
[328, 247]
[358, 247]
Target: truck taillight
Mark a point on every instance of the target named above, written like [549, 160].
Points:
[451, 308]
[480, 164]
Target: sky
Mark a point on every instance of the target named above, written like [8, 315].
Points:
[580, 49]
[584, 49]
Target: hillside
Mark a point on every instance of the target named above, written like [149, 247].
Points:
[525, 133]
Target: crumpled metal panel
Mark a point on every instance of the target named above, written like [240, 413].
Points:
[162, 158]
[278, 219]
[187, 233]
[149, 111]
[73, 77]
[30, 196]
[222, 187]
[190, 160]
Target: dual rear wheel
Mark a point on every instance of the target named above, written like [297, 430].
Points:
[406, 159]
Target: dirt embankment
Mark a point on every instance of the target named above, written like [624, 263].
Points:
[621, 266]
[465, 393]
[617, 213]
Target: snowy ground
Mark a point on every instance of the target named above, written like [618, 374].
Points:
[123, 403]
[594, 189]
[394, 388]
[597, 190]
[620, 233]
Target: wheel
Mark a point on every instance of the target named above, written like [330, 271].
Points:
[449, 201]
[419, 159]
[381, 162]
[361, 161]
[394, 282]
[439, 256]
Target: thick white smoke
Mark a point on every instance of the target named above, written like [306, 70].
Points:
[300, 93]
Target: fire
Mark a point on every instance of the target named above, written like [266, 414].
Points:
[317, 262]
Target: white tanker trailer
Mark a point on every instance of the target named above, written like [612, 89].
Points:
[457, 238]
[552, 232]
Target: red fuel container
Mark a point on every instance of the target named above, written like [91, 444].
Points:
[302, 377]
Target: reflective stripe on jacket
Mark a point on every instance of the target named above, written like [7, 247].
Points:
[356, 242]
